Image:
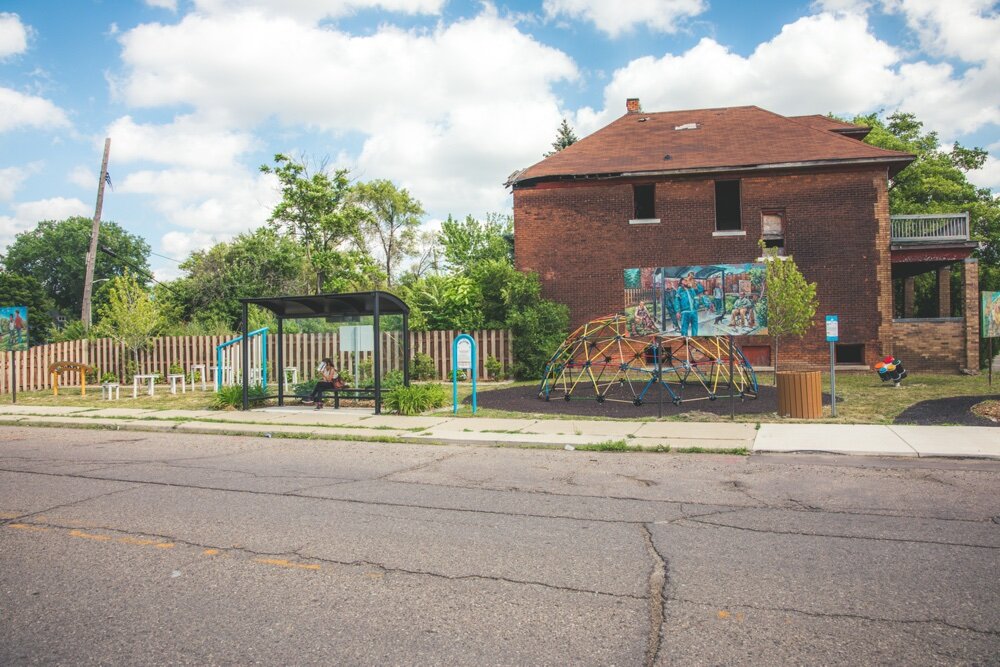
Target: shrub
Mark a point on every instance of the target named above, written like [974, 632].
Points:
[415, 399]
[175, 369]
[538, 330]
[392, 379]
[130, 370]
[93, 372]
[304, 388]
[494, 368]
[423, 367]
[109, 377]
[365, 374]
[232, 396]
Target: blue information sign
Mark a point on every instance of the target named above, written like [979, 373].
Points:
[832, 329]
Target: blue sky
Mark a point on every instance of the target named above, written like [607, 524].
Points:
[444, 97]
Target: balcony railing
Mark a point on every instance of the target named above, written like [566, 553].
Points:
[930, 228]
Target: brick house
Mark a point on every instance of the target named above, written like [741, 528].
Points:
[705, 186]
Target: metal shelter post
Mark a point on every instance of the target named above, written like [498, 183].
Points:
[406, 352]
[281, 361]
[246, 357]
[377, 361]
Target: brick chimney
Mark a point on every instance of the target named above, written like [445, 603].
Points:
[632, 105]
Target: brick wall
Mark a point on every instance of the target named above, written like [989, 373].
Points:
[576, 236]
[930, 345]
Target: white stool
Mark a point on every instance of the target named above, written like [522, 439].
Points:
[173, 383]
[204, 379]
[138, 378]
[109, 387]
[294, 373]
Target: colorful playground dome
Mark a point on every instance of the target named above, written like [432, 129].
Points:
[607, 360]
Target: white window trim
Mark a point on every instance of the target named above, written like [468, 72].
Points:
[644, 221]
[730, 232]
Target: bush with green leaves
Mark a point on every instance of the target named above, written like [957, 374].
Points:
[415, 399]
[494, 368]
[231, 396]
[422, 367]
[109, 378]
[176, 369]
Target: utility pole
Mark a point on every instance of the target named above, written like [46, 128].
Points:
[88, 281]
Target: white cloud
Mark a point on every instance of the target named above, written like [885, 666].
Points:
[187, 140]
[13, 35]
[11, 179]
[19, 110]
[615, 17]
[989, 175]
[817, 64]
[182, 244]
[170, 5]
[83, 176]
[28, 214]
[845, 6]
[433, 107]
[315, 10]
[965, 29]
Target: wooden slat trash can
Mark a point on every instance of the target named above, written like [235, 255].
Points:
[800, 394]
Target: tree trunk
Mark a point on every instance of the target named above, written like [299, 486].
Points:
[775, 364]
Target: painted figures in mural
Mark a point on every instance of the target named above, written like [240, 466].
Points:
[14, 328]
[709, 300]
[991, 314]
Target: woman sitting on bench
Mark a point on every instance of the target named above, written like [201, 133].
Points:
[330, 381]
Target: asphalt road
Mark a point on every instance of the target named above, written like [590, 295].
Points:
[143, 548]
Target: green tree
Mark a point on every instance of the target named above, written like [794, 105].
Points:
[129, 317]
[317, 209]
[392, 223]
[564, 137]
[25, 290]
[55, 254]
[791, 301]
[470, 242]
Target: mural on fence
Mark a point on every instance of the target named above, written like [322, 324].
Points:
[14, 328]
[991, 314]
[707, 300]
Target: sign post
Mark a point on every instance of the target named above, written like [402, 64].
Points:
[832, 334]
[463, 357]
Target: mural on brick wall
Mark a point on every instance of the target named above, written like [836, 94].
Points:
[14, 328]
[707, 300]
[991, 314]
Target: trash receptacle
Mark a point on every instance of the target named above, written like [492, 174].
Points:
[800, 394]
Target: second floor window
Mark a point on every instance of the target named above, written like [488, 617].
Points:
[644, 198]
[727, 206]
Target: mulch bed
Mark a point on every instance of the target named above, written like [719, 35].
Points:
[525, 399]
[955, 410]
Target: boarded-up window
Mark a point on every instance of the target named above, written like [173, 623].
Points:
[772, 225]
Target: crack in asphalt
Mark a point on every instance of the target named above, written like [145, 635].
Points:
[858, 617]
[22, 517]
[833, 535]
[659, 577]
[299, 552]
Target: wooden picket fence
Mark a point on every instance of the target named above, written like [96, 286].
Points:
[301, 351]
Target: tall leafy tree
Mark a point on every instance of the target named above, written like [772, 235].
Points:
[392, 223]
[564, 137]
[130, 316]
[24, 290]
[470, 242]
[317, 210]
[55, 253]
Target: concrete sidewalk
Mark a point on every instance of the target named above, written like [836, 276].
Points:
[350, 424]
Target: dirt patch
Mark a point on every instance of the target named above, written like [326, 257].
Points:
[525, 399]
[954, 410]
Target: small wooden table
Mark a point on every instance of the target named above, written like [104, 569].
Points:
[173, 383]
[135, 384]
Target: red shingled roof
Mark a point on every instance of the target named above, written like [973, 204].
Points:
[840, 127]
[734, 138]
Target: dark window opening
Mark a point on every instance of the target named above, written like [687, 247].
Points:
[644, 197]
[850, 353]
[727, 206]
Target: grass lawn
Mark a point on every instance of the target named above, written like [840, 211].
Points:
[163, 400]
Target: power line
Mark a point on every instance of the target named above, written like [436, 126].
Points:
[138, 269]
[177, 261]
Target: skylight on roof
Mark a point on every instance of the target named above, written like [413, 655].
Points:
[686, 126]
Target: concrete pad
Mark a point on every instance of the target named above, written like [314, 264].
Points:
[70, 420]
[584, 427]
[260, 429]
[507, 438]
[697, 430]
[682, 443]
[978, 441]
[180, 414]
[40, 410]
[120, 412]
[482, 424]
[856, 439]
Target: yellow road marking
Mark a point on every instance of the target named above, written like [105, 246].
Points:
[164, 545]
[26, 526]
[209, 552]
[281, 562]
[89, 536]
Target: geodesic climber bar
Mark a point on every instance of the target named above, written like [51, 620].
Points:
[606, 360]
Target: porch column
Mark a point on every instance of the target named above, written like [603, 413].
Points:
[908, 297]
[970, 269]
[944, 291]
